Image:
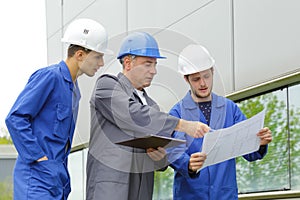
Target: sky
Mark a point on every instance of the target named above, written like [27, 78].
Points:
[23, 48]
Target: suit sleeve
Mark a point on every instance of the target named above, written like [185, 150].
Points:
[120, 108]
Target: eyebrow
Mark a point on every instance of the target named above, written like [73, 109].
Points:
[147, 61]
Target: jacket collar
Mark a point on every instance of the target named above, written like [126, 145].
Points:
[189, 103]
[126, 84]
[65, 71]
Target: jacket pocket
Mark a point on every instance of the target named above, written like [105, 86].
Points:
[62, 121]
[44, 179]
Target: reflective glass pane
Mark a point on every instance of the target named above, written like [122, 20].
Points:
[163, 184]
[272, 172]
[294, 127]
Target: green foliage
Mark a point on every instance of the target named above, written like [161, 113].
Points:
[5, 139]
[272, 173]
[163, 184]
[294, 127]
[6, 190]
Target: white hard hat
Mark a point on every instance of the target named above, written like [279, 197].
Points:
[87, 33]
[194, 58]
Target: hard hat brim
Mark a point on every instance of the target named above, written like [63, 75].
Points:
[104, 51]
[133, 54]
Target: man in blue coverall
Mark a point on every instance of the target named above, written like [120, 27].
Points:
[42, 120]
[216, 182]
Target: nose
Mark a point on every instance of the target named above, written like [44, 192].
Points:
[202, 82]
[153, 70]
[101, 62]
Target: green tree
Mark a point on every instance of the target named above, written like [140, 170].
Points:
[163, 184]
[294, 127]
[271, 173]
[5, 139]
[6, 190]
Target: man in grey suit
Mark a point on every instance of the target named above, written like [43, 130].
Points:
[121, 110]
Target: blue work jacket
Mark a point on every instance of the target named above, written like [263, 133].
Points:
[216, 182]
[41, 123]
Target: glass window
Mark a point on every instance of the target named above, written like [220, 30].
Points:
[272, 172]
[163, 184]
[294, 128]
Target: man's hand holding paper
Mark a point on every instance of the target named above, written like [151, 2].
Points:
[265, 136]
[240, 139]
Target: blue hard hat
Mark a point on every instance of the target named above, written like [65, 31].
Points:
[139, 44]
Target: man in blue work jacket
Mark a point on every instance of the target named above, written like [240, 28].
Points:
[216, 182]
[42, 120]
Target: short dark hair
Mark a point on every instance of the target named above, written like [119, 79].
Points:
[73, 48]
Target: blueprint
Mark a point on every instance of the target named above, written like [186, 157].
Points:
[239, 139]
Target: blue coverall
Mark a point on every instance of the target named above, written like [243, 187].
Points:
[41, 123]
[216, 182]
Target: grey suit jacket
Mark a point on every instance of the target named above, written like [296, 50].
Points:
[117, 114]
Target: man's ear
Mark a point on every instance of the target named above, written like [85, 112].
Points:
[80, 55]
[127, 63]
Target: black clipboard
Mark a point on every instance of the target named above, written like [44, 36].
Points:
[152, 141]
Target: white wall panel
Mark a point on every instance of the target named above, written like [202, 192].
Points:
[54, 16]
[54, 30]
[211, 27]
[111, 14]
[54, 49]
[74, 8]
[158, 13]
[266, 39]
